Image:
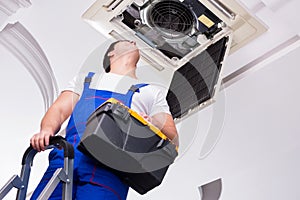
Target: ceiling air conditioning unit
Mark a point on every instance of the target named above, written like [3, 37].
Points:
[190, 37]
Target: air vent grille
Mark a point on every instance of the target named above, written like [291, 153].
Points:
[194, 83]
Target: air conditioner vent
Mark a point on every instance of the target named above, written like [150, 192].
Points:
[172, 18]
[186, 40]
[194, 83]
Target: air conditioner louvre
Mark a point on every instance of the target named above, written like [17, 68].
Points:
[111, 5]
[223, 9]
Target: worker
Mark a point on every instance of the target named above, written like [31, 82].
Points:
[82, 96]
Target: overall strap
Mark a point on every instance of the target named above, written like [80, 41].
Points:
[88, 80]
[131, 91]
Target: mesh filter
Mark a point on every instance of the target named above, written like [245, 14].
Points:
[193, 83]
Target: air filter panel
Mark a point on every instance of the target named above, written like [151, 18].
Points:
[194, 83]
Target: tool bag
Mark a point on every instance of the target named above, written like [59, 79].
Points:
[121, 140]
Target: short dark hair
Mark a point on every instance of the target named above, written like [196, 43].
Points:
[106, 59]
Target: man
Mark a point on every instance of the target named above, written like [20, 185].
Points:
[80, 100]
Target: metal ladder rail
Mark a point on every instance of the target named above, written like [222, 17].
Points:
[65, 175]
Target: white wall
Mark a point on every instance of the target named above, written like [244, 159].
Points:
[257, 152]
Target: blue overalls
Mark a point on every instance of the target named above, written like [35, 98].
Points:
[90, 181]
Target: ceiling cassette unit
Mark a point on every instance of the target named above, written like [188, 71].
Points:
[189, 38]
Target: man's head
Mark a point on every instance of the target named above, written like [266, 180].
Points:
[118, 52]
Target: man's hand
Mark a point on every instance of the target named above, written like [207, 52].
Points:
[59, 111]
[40, 140]
[146, 117]
[165, 123]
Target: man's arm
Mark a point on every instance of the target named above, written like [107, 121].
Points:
[59, 111]
[166, 124]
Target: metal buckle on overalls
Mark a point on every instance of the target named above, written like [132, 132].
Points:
[134, 88]
[88, 79]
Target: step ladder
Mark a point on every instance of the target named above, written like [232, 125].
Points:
[64, 175]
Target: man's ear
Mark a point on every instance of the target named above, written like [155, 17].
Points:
[111, 53]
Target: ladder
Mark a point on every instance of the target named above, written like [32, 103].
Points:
[64, 175]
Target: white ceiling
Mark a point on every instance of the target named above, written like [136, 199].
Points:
[255, 118]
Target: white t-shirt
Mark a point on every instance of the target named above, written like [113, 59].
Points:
[150, 100]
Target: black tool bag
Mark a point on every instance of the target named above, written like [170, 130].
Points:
[121, 140]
